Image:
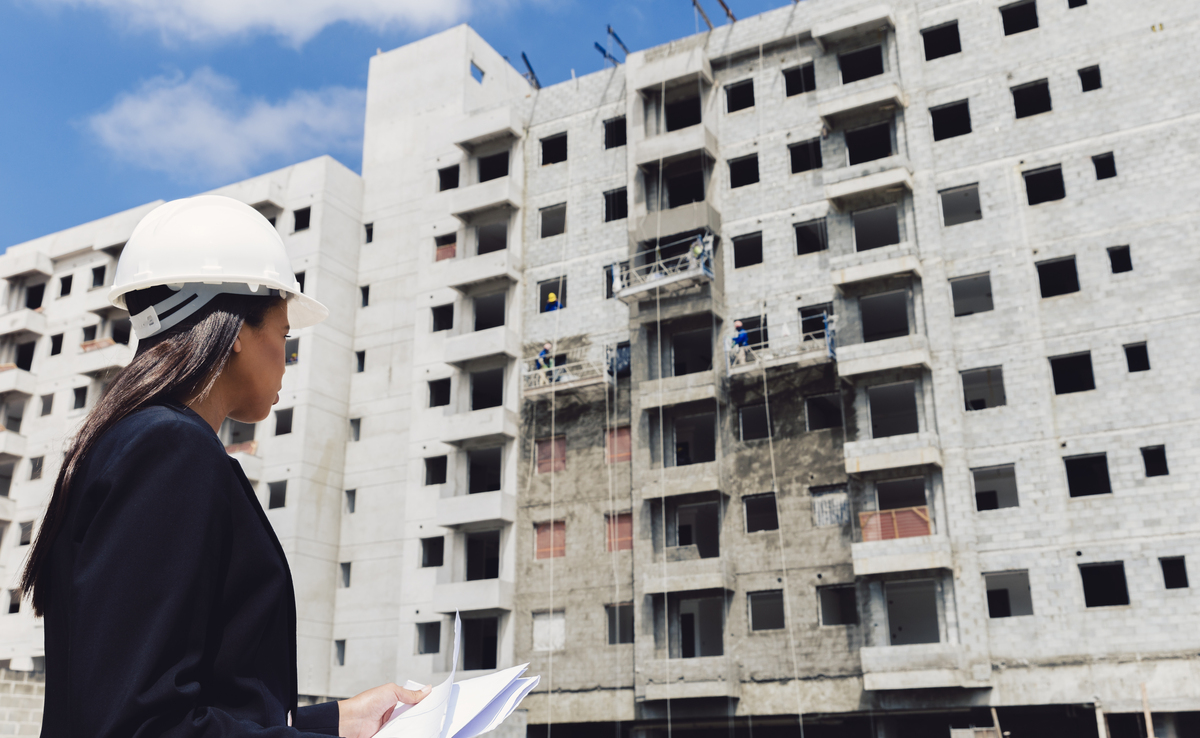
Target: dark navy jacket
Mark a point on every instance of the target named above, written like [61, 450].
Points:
[171, 609]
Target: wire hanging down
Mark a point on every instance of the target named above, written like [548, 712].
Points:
[530, 75]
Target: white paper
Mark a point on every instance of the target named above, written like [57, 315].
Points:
[463, 710]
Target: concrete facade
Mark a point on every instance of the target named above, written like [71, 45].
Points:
[943, 502]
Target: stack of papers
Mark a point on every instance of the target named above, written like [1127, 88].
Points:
[464, 709]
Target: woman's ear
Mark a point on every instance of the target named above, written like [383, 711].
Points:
[237, 345]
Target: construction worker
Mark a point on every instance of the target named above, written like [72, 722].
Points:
[167, 600]
[551, 303]
[696, 254]
[543, 363]
[739, 342]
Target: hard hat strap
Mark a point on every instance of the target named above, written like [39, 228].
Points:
[192, 296]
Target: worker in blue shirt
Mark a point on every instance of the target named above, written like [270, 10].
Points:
[551, 303]
[740, 341]
[543, 363]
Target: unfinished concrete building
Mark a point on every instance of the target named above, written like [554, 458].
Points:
[933, 483]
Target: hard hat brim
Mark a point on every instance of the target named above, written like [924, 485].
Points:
[303, 311]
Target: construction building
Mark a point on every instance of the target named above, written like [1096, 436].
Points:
[933, 481]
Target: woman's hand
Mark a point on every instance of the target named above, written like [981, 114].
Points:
[363, 715]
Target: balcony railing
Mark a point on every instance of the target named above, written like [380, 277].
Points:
[96, 344]
[633, 283]
[887, 525]
[580, 369]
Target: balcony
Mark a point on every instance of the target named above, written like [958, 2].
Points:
[481, 594]
[25, 264]
[848, 27]
[580, 370]
[893, 452]
[477, 198]
[653, 393]
[483, 509]
[669, 70]
[498, 341]
[491, 125]
[903, 352]
[102, 356]
[680, 480]
[23, 323]
[259, 193]
[96, 301]
[696, 678]
[469, 271]
[917, 666]
[12, 446]
[899, 540]
[687, 575]
[837, 104]
[667, 147]
[666, 276]
[246, 455]
[875, 264]
[16, 380]
[495, 424]
[869, 179]
[694, 216]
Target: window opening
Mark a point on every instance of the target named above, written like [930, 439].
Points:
[876, 228]
[554, 220]
[761, 512]
[1137, 357]
[56, 344]
[739, 96]
[995, 487]
[884, 315]
[1089, 78]
[823, 411]
[300, 280]
[912, 612]
[276, 494]
[747, 250]
[1104, 584]
[120, 329]
[1031, 99]
[941, 41]
[620, 623]
[47, 404]
[1044, 185]
[620, 362]
[551, 540]
[360, 362]
[700, 626]
[951, 120]
[439, 392]
[799, 80]
[551, 455]
[435, 470]
[491, 237]
[961, 205]
[861, 64]
[743, 171]
[1008, 594]
[344, 578]
[1106, 166]
[447, 179]
[554, 149]
[971, 294]
[549, 631]
[617, 445]
[487, 388]
[365, 293]
[1087, 475]
[811, 237]
[283, 422]
[339, 649]
[429, 638]
[64, 285]
[695, 439]
[619, 529]
[1072, 373]
[1174, 569]
[369, 232]
[614, 133]
[1058, 277]
[26, 534]
[1155, 460]
[443, 317]
[301, 219]
[24, 353]
[351, 496]
[483, 555]
[480, 642]
[36, 464]
[805, 155]
[754, 422]
[445, 247]
[893, 409]
[691, 352]
[98, 276]
[616, 205]
[235, 433]
[983, 388]
[839, 604]
[14, 601]
[1076, 3]
[291, 351]
[552, 295]
[433, 551]
[80, 398]
[683, 113]
[493, 167]
[7, 472]
[34, 294]
[489, 311]
[355, 429]
[766, 609]
[870, 143]
[476, 73]
[1120, 259]
[1019, 17]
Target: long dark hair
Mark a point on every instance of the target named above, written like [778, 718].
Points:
[179, 364]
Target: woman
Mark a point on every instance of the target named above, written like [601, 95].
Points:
[167, 599]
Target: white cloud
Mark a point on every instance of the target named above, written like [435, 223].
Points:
[201, 129]
[295, 20]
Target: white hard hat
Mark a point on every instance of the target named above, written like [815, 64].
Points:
[202, 247]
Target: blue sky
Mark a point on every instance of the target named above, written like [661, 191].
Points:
[108, 104]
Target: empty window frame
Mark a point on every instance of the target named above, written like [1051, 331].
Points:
[550, 540]
[754, 421]
[700, 626]
[64, 285]
[1008, 594]
[695, 439]
[360, 362]
[445, 247]
[971, 294]
[552, 294]
[619, 531]
[47, 405]
[491, 237]
[941, 41]
[620, 623]
[1105, 165]
[26, 536]
[291, 351]
[1019, 17]
[1076, 3]
[36, 465]
[1137, 357]
[805, 156]
[34, 294]
[861, 64]
[1154, 458]
[743, 171]
[339, 652]
[761, 512]
[1087, 475]
[553, 220]
[355, 429]
[876, 228]
[448, 178]
[56, 342]
[480, 643]
[1089, 79]
[823, 411]
[477, 74]
[435, 470]
[551, 455]
[995, 487]
[429, 637]
[617, 445]
[365, 294]
[983, 388]
[1104, 584]
[1044, 185]
[483, 555]
[811, 237]
[301, 219]
[884, 315]
[24, 357]
[814, 321]
[1120, 260]
[869, 143]
[1031, 99]
[554, 149]
[616, 205]
[1058, 277]
[439, 392]
[98, 275]
[951, 120]
[283, 422]
[747, 250]
[893, 409]
[484, 470]
[276, 494]
[80, 397]
[489, 310]
[739, 96]
[443, 317]
[961, 205]
[912, 612]
[1072, 373]
[493, 167]
[766, 609]
[351, 499]
[839, 604]
[369, 232]
[1174, 569]
[14, 601]
[614, 133]
[549, 630]
[799, 80]
[683, 113]
[344, 574]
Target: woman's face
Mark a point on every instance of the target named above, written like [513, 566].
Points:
[254, 374]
